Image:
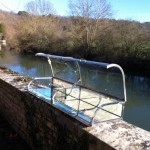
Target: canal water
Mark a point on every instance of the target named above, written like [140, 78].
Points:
[137, 110]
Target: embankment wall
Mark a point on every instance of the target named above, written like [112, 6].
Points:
[44, 127]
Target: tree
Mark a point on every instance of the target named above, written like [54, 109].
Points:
[23, 13]
[96, 9]
[39, 7]
[41, 33]
[86, 22]
[130, 37]
[2, 28]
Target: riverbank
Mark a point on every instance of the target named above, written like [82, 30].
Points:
[124, 42]
[130, 65]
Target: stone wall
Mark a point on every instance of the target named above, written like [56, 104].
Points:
[46, 128]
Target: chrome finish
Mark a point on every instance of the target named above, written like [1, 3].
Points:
[69, 91]
[123, 77]
[104, 65]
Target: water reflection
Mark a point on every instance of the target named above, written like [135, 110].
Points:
[66, 70]
[138, 106]
[103, 80]
[137, 110]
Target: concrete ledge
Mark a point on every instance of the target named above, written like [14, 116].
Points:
[44, 127]
[121, 135]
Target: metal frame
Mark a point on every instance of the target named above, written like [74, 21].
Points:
[79, 84]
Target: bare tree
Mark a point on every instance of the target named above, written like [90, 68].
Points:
[96, 9]
[40, 7]
[86, 21]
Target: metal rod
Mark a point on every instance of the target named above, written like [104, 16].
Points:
[100, 107]
[79, 98]
[79, 72]
[123, 78]
[38, 78]
[78, 63]
[50, 63]
[104, 65]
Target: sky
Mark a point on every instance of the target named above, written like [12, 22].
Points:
[138, 10]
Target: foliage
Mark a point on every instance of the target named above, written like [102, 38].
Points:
[23, 13]
[38, 36]
[83, 34]
[10, 22]
[86, 22]
[2, 28]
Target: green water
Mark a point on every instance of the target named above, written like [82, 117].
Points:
[137, 110]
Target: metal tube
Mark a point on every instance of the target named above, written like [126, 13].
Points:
[123, 78]
[79, 72]
[37, 78]
[78, 63]
[104, 65]
[99, 107]
[79, 100]
[50, 63]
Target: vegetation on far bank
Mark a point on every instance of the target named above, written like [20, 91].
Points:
[81, 35]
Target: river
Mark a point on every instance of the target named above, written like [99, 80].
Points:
[137, 109]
